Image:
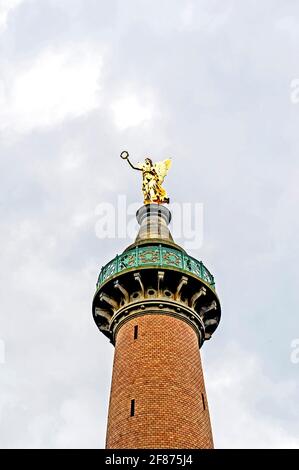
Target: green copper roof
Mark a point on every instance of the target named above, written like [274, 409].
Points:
[155, 256]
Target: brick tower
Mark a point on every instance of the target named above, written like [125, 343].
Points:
[157, 305]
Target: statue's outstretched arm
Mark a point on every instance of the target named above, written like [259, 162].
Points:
[134, 167]
[125, 156]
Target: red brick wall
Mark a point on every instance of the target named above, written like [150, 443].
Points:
[161, 370]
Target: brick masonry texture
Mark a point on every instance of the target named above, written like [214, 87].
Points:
[161, 370]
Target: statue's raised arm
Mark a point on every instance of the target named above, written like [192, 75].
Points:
[153, 175]
[125, 156]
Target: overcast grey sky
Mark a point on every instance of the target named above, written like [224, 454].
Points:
[211, 83]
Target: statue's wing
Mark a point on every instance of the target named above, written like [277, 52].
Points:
[162, 169]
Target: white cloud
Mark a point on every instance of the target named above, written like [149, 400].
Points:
[55, 86]
[131, 111]
[289, 25]
[72, 159]
[78, 413]
[227, 118]
[6, 7]
[208, 18]
[231, 387]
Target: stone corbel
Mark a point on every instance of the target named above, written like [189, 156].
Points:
[124, 291]
[206, 309]
[104, 327]
[101, 312]
[183, 282]
[160, 280]
[109, 300]
[137, 277]
[212, 322]
[197, 295]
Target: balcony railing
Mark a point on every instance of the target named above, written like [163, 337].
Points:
[155, 256]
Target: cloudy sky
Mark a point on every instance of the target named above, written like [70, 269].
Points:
[215, 85]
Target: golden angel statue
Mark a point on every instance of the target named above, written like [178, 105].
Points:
[153, 175]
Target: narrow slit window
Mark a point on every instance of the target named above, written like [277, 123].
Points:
[203, 401]
[135, 331]
[132, 411]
